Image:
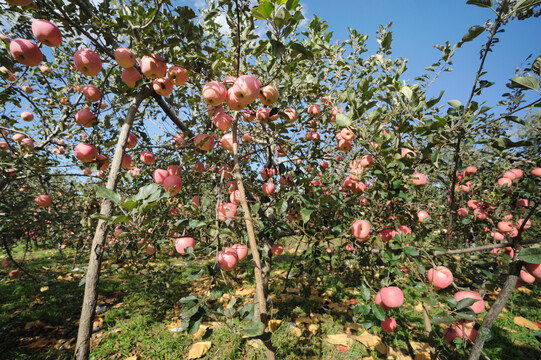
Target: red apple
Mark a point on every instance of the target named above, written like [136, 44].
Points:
[151, 250]
[419, 179]
[46, 32]
[534, 269]
[314, 110]
[422, 216]
[361, 230]
[214, 93]
[85, 152]
[147, 157]
[389, 324]
[124, 57]
[227, 142]
[178, 75]
[163, 86]
[126, 161]
[25, 52]
[478, 306]
[102, 162]
[246, 89]
[130, 76]
[159, 176]
[203, 142]
[132, 141]
[527, 277]
[392, 296]
[27, 116]
[92, 93]
[268, 188]
[44, 200]
[379, 302]
[277, 249]
[268, 95]
[222, 121]
[228, 259]
[291, 115]
[440, 277]
[153, 66]
[87, 62]
[181, 244]
[227, 211]
[536, 172]
[242, 251]
[85, 117]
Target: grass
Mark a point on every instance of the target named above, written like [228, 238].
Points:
[38, 320]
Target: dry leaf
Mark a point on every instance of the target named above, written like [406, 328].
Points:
[43, 288]
[525, 323]
[296, 331]
[202, 330]
[291, 251]
[302, 320]
[315, 317]
[418, 308]
[135, 357]
[274, 324]
[370, 358]
[397, 355]
[421, 350]
[371, 342]
[525, 290]
[339, 339]
[257, 343]
[199, 349]
[245, 292]
[313, 328]
[39, 344]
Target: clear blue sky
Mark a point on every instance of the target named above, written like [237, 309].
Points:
[419, 24]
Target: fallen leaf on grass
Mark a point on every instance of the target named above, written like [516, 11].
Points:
[202, 330]
[245, 292]
[274, 324]
[135, 357]
[524, 290]
[43, 288]
[421, 350]
[525, 323]
[313, 328]
[256, 344]
[38, 344]
[296, 331]
[370, 358]
[353, 326]
[371, 342]
[418, 308]
[302, 320]
[397, 355]
[340, 339]
[199, 349]
[34, 325]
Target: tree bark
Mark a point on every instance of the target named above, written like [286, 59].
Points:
[260, 299]
[90, 297]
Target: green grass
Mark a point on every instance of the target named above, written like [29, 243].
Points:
[142, 306]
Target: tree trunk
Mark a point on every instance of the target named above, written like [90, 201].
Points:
[84, 335]
[260, 306]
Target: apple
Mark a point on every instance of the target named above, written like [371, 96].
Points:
[102, 162]
[4, 145]
[5, 70]
[87, 62]
[249, 115]
[534, 269]
[135, 172]
[25, 52]
[87, 172]
[473, 204]
[214, 93]
[92, 93]
[203, 142]
[44, 200]
[46, 32]
[85, 117]
[536, 172]
[234, 197]
[242, 251]
[405, 152]
[347, 134]
[459, 331]
[163, 86]
[227, 142]
[528, 224]
[27, 116]
[268, 188]
[504, 182]
[14, 273]
[527, 277]
[343, 145]
[151, 250]
[132, 141]
[174, 170]
[44, 69]
[268, 95]
[523, 203]
[389, 324]
[199, 167]
[222, 121]
[247, 138]
[232, 101]
[181, 244]
[379, 302]
[246, 89]
[392, 296]
[147, 157]
[314, 110]
[195, 202]
[361, 230]
[7, 263]
[227, 211]
[277, 249]
[124, 57]
[291, 115]
[367, 161]
[440, 277]
[422, 215]
[153, 66]
[179, 141]
[419, 179]
[228, 259]
[85, 152]
[130, 76]
[497, 236]
[478, 306]
[505, 227]
[178, 75]
[159, 176]
[126, 161]
[480, 214]
[27, 89]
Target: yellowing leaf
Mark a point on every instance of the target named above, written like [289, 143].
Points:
[202, 330]
[135, 357]
[274, 324]
[397, 355]
[257, 343]
[43, 288]
[371, 342]
[525, 323]
[313, 328]
[199, 349]
[245, 292]
[339, 339]
[421, 350]
[296, 331]
[302, 320]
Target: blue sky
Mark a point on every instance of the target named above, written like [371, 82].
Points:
[420, 24]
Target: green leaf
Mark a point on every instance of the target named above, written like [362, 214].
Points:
[121, 218]
[292, 4]
[187, 299]
[481, 3]
[361, 309]
[443, 318]
[101, 217]
[282, 15]
[128, 204]
[473, 32]
[526, 4]
[343, 120]
[299, 48]
[406, 91]
[103, 192]
[254, 328]
[411, 251]
[527, 82]
[378, 312]
[365, 292]
[455, 103]
[530, 255]
[263, 11]
[464, 303]
[306, 213]
[536, 65]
